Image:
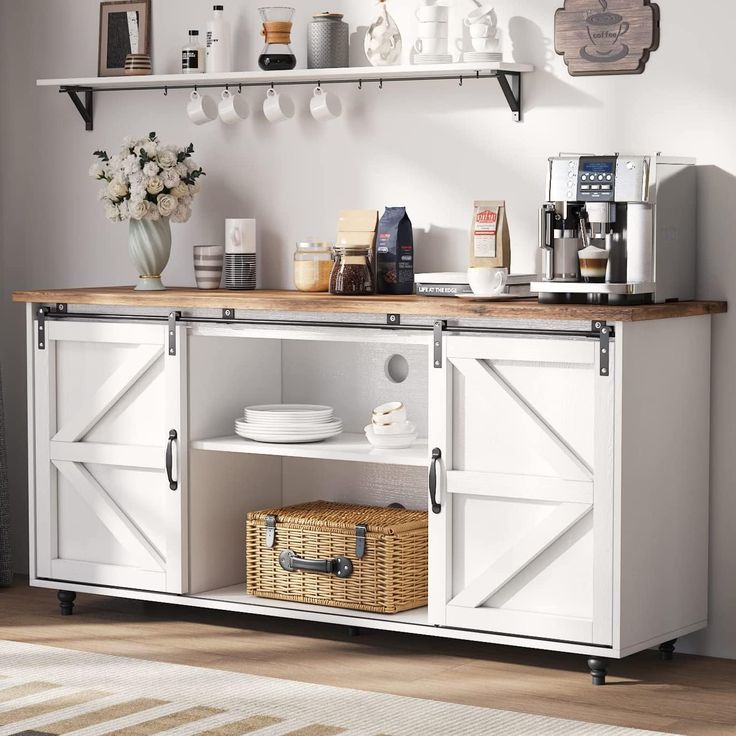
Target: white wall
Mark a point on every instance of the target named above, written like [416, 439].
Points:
[431, 146]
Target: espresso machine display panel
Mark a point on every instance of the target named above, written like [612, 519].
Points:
[617, 230]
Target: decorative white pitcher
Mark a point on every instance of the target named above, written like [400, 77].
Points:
[149, 243]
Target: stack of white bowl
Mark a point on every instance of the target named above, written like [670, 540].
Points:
[431, 44]
[288, 423]
[390, 428]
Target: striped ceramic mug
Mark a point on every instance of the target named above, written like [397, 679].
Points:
[208, 262]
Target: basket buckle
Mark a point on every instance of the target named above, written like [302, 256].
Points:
[270, 530]
[360, 539]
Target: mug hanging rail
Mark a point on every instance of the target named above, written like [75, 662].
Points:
[510, 83]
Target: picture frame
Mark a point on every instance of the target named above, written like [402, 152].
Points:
[125, 27]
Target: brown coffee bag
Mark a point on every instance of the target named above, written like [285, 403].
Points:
[490, 244]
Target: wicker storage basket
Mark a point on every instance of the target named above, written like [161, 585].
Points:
[332, 554]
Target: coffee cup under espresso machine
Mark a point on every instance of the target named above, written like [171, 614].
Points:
[632, 216]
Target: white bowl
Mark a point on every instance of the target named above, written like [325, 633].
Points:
[389, 413]
[393, 429]
[390, 441]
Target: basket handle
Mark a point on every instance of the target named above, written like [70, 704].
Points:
[341, 567]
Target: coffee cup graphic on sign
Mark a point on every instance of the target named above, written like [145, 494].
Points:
[605, 29]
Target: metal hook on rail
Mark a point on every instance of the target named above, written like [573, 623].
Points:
[461, 80]
[227, 88]
[240, 89]
[271, 85]
[319, 85]
[166, 91]
[195, 88]
[477, 73]
[360, 84]
[380, 84]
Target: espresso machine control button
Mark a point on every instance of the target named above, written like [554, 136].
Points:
[595, 186]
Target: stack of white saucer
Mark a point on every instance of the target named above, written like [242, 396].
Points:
[389, 428]
[288, 423]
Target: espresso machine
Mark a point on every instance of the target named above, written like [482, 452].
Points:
[630, 221]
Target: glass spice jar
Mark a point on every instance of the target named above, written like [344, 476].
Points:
[312, 265]
[351, 271]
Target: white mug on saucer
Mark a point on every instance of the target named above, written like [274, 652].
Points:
[430, 45]
[486, 281]
[436, 13]
[432, 30]
[484, 44]
[277, 107]
[232, 108]
[324, 105]
[201, 109]
[481, 30]
[483, 14]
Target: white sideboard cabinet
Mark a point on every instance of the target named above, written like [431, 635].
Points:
[563, 454]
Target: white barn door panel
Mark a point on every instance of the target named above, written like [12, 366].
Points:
[523, 542]
[107, 398]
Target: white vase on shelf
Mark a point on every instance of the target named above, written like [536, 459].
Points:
[382, 39]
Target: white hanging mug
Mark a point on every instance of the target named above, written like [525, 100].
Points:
[232, 108]
[430, 45]
[324, 105]
[277, 107]
[201, 109]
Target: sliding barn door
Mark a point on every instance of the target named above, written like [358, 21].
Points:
[522, 542]
[108, 396]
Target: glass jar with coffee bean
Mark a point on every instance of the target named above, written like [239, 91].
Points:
[351, 271]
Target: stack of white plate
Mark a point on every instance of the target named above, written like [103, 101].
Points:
[433, 58]
[288, 423]
[475, 56]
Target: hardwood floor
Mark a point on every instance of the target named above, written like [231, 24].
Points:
[690, 695]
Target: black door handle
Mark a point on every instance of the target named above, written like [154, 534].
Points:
[436, 455]
[173, 484]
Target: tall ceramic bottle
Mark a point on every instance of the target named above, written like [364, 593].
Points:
[218, 55]
[382, 39]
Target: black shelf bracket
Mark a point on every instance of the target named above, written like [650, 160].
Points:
[511, 87]
[86, 108]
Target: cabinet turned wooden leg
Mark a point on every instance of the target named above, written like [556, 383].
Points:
[667, 650]
[598, 670]
[66, 601]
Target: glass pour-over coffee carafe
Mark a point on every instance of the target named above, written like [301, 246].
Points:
[277, 55]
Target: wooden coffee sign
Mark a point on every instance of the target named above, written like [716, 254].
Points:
[606, 36]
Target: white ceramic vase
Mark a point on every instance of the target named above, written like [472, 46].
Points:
[382, 42]
[149, 243]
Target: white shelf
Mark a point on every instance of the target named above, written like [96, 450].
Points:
[295, 76]
[508, 76]
[350, 447]
[236, 595]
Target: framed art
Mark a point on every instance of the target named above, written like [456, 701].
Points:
[125, 28]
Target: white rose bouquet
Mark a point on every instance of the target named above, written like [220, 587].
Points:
[147, 180]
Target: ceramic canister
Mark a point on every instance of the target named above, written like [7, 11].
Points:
[327, 42]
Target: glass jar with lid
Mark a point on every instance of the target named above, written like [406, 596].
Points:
[351, 271]
[312, 265]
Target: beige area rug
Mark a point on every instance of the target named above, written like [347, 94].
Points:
[45, 690]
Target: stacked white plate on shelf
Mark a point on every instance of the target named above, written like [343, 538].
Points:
[288, 423]
[476, 56]
[433, 58]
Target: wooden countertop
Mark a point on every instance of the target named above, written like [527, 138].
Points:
[416, 306]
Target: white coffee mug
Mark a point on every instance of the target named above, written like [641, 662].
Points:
[433, 30]
[277, 107]
[430, 45]
[436, 13]
[483, 14]
[324, 105]
[390, 413]
[486, 281]
[232, 108]
[484, 44]
[208, 264]
[201, 109]
[481, 30]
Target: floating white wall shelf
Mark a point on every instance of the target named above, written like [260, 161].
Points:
[508, 77]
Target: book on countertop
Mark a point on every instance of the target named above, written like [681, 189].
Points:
[456, 282]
